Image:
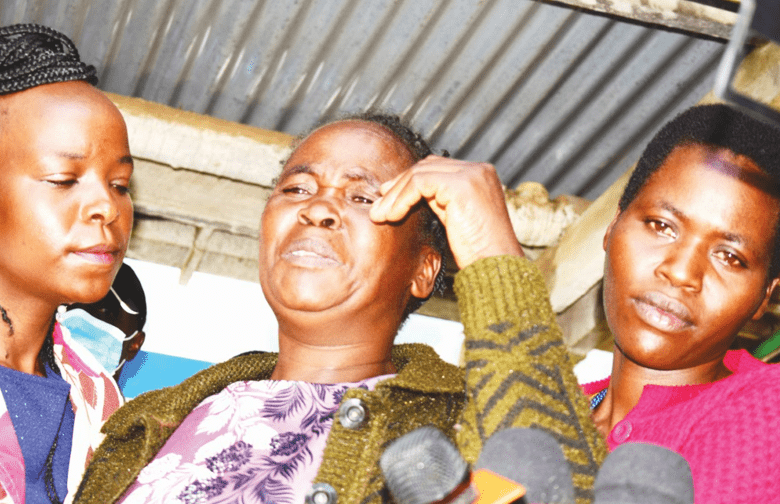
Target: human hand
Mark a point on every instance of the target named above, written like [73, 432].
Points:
[466, 196]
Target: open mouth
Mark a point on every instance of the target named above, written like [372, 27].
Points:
[312, 253]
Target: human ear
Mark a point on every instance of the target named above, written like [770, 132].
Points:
[135, 345]
[425, 277]
[762, 309]
[609, 229]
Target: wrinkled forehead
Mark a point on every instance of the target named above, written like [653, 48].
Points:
[362, 143]
[360, 126]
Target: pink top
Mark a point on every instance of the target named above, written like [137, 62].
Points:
[255, 441]
[728, 431]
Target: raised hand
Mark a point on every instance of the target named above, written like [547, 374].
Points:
[466, 196]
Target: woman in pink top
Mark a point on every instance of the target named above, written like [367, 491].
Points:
[691, 256]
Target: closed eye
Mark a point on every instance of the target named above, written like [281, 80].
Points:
[295, 190]
[62, 182]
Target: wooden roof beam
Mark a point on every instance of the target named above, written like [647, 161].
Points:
[683, 15]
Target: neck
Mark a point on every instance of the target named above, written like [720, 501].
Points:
[19, 348]
[629, 379]
[320, 357]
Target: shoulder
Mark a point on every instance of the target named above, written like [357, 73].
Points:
[735, 424]
[420, 368]
[170, 405]
[746, 398]
[248, 366]
[750, 373]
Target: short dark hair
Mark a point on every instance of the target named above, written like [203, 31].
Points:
[430, 227]
[714, 126]
[32, 55]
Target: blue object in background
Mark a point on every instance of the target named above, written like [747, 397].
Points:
[151, 371]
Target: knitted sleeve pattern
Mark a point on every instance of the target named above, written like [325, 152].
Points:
[518, 371]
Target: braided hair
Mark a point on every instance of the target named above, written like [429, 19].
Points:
[32, 55]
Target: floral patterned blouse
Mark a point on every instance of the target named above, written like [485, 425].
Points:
[254, 442]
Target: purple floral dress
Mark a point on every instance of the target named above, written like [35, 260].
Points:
[254, 442]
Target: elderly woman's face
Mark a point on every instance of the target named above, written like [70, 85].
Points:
[318, 248]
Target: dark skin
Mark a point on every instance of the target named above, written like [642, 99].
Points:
[339, 250]
[65, 214]
[687, 266]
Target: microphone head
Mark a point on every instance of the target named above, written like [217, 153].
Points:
[422, 466]
[643, 473]
[533, 458]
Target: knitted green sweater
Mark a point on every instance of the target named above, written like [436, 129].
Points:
[517, 375]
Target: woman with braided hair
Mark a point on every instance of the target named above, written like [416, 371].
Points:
[65, 220]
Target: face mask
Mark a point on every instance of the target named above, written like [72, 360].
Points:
[102, 339]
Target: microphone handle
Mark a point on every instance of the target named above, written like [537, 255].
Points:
[465, 493]
[486, 487]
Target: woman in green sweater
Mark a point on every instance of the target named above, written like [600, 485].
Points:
[347, 251]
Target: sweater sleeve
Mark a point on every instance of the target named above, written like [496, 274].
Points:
[518, 371]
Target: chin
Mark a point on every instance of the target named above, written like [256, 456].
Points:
[306, 290]
[651, 353]
[90, 293]
[304, 300]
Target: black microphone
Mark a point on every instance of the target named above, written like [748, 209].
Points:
[423, 467]
[533, 458]
[642, 473]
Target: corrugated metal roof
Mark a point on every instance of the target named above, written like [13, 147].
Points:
[544, 92]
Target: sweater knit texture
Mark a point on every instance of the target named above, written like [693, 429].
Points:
[517, 375]
[725, 430]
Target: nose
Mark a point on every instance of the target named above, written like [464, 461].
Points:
[683, 266]
[320, 211]
[99, 204]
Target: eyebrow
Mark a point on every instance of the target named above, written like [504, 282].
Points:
[353, 175]
[69, 155]
[361, 175]
[77, 156]
[728, 236]
[295, 170]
